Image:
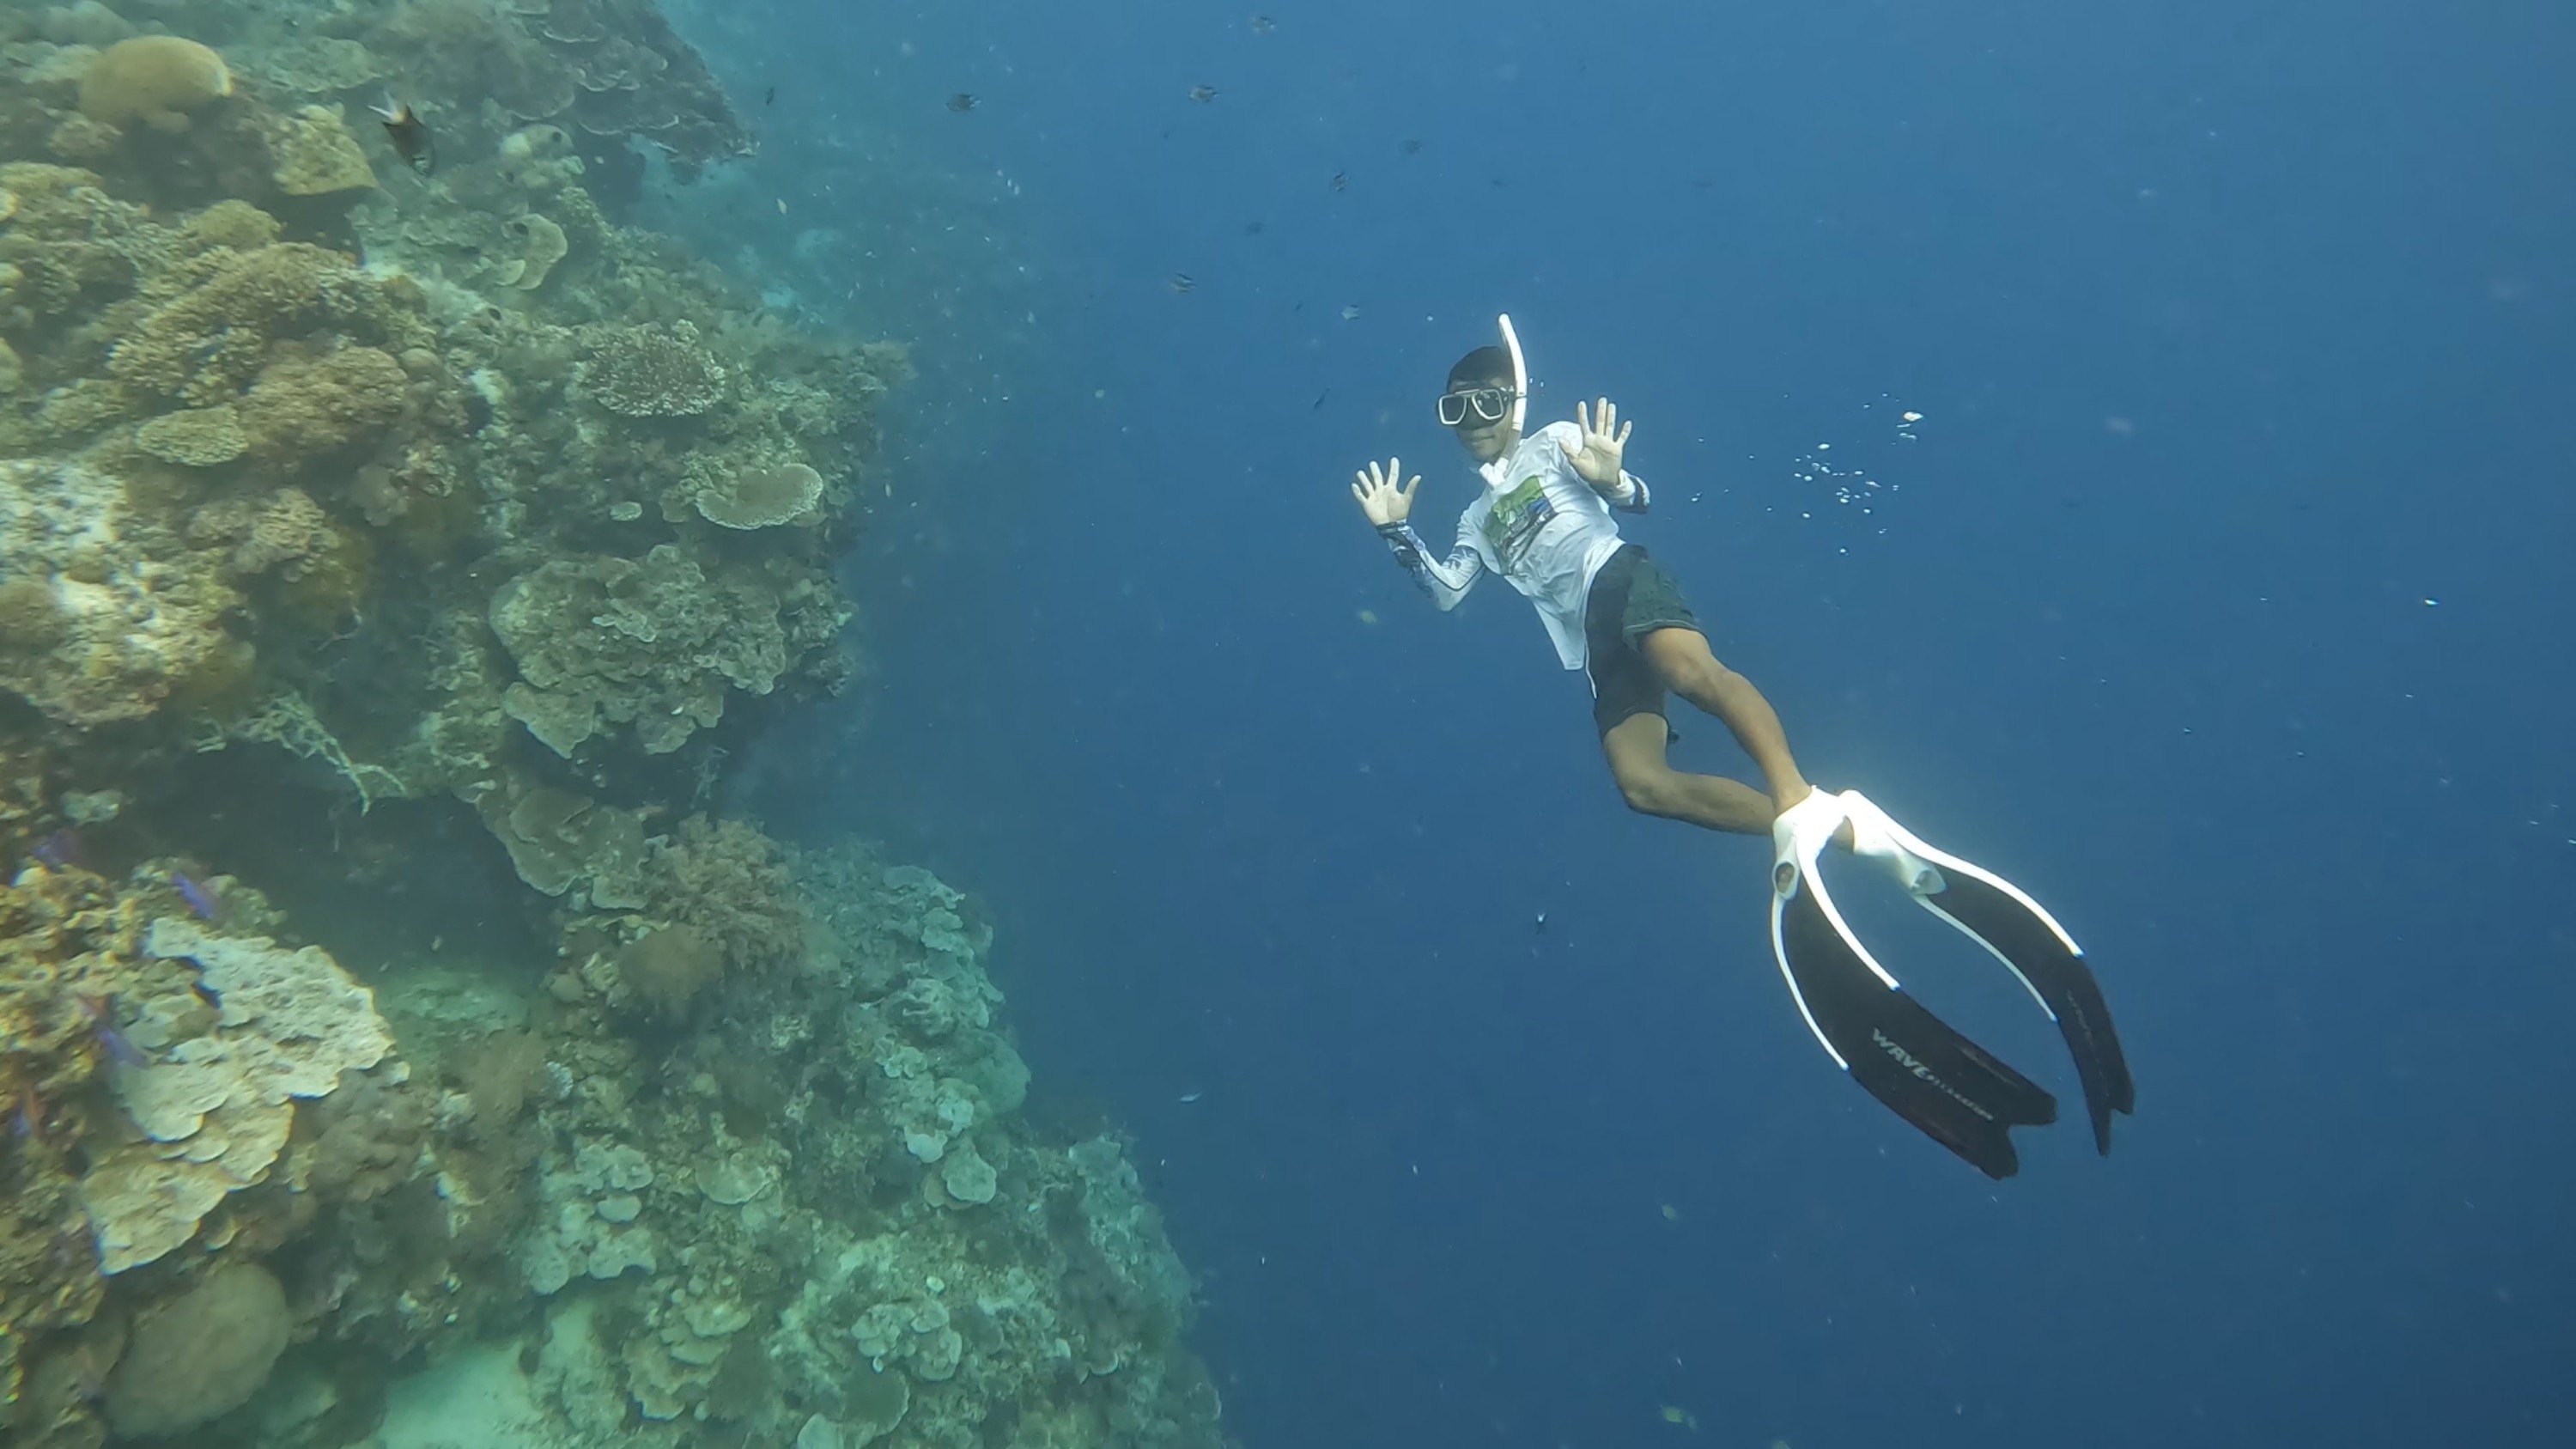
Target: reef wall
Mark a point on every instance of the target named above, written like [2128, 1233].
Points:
[376, 505]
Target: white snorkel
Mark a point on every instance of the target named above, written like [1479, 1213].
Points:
[1520, 372]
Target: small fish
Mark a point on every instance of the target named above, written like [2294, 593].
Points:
[1318, 405]
[1409, 147]
[1192, 1096]
[1683, 1417]
[1539, 926]
[205, 993]
[61, 850]
[1341, 181]
[1351, 312]
[1263, 25]
[769, 97]
[962, 102]
[409, 136]
[199, 899]
[1181, 283]
[1203, 94]
[1252, 228]
[119, 1047]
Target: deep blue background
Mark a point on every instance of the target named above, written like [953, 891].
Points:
[2223, 603]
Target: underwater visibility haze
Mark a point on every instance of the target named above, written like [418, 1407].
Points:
[700, 745]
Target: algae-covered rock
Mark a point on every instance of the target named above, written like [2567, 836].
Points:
[200, 1355]
[137, 619]
[194, 437]
[542, 244]
[311, 153]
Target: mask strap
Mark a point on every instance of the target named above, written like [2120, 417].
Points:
[1520, 374]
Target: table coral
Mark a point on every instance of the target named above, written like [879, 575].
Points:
[212, 1108]
[654, 642]
[762, 496]
[652, 372]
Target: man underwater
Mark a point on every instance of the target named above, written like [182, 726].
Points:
[1545, 522]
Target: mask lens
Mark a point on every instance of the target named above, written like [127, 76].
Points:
[1489, 404]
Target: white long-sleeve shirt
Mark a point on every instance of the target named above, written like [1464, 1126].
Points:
[1539, 525]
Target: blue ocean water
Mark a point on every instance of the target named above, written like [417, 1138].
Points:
[2218, 596]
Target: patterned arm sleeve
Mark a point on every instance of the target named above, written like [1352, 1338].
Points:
[1635, 502]
[1445, 580]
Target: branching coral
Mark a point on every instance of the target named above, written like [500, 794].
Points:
[208, 325]
[309, 404]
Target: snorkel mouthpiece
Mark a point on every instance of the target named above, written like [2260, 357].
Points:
[1520, 374]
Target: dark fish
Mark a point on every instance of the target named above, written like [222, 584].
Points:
[410, 138]
[961, 102]
[1252, 228]
[1341, 181]
[769, 97]
[1203, 94]
[1409, 147]
[1319, 400]
[119, 1047]
[61, 850]
[199, 899]
[1182, 282]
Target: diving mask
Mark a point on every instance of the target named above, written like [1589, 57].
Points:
[1489, 404]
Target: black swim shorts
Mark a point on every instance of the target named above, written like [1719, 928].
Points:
[1631, 597]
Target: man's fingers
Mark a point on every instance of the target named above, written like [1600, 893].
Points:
[1605, 414]
[1410, 484]
[1623, 433]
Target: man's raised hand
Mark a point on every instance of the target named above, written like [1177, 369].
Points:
[1383, 502]
[1605, 441]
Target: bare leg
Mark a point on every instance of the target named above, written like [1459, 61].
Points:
[1682, 659]
[1652, 786]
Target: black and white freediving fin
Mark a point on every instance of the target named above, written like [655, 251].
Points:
[1955, 1091]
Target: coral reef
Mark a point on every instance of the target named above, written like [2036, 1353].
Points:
[391, 529]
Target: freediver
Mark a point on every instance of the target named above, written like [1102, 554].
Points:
[1545, 521]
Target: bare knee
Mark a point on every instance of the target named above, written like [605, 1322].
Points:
[1647, 791]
